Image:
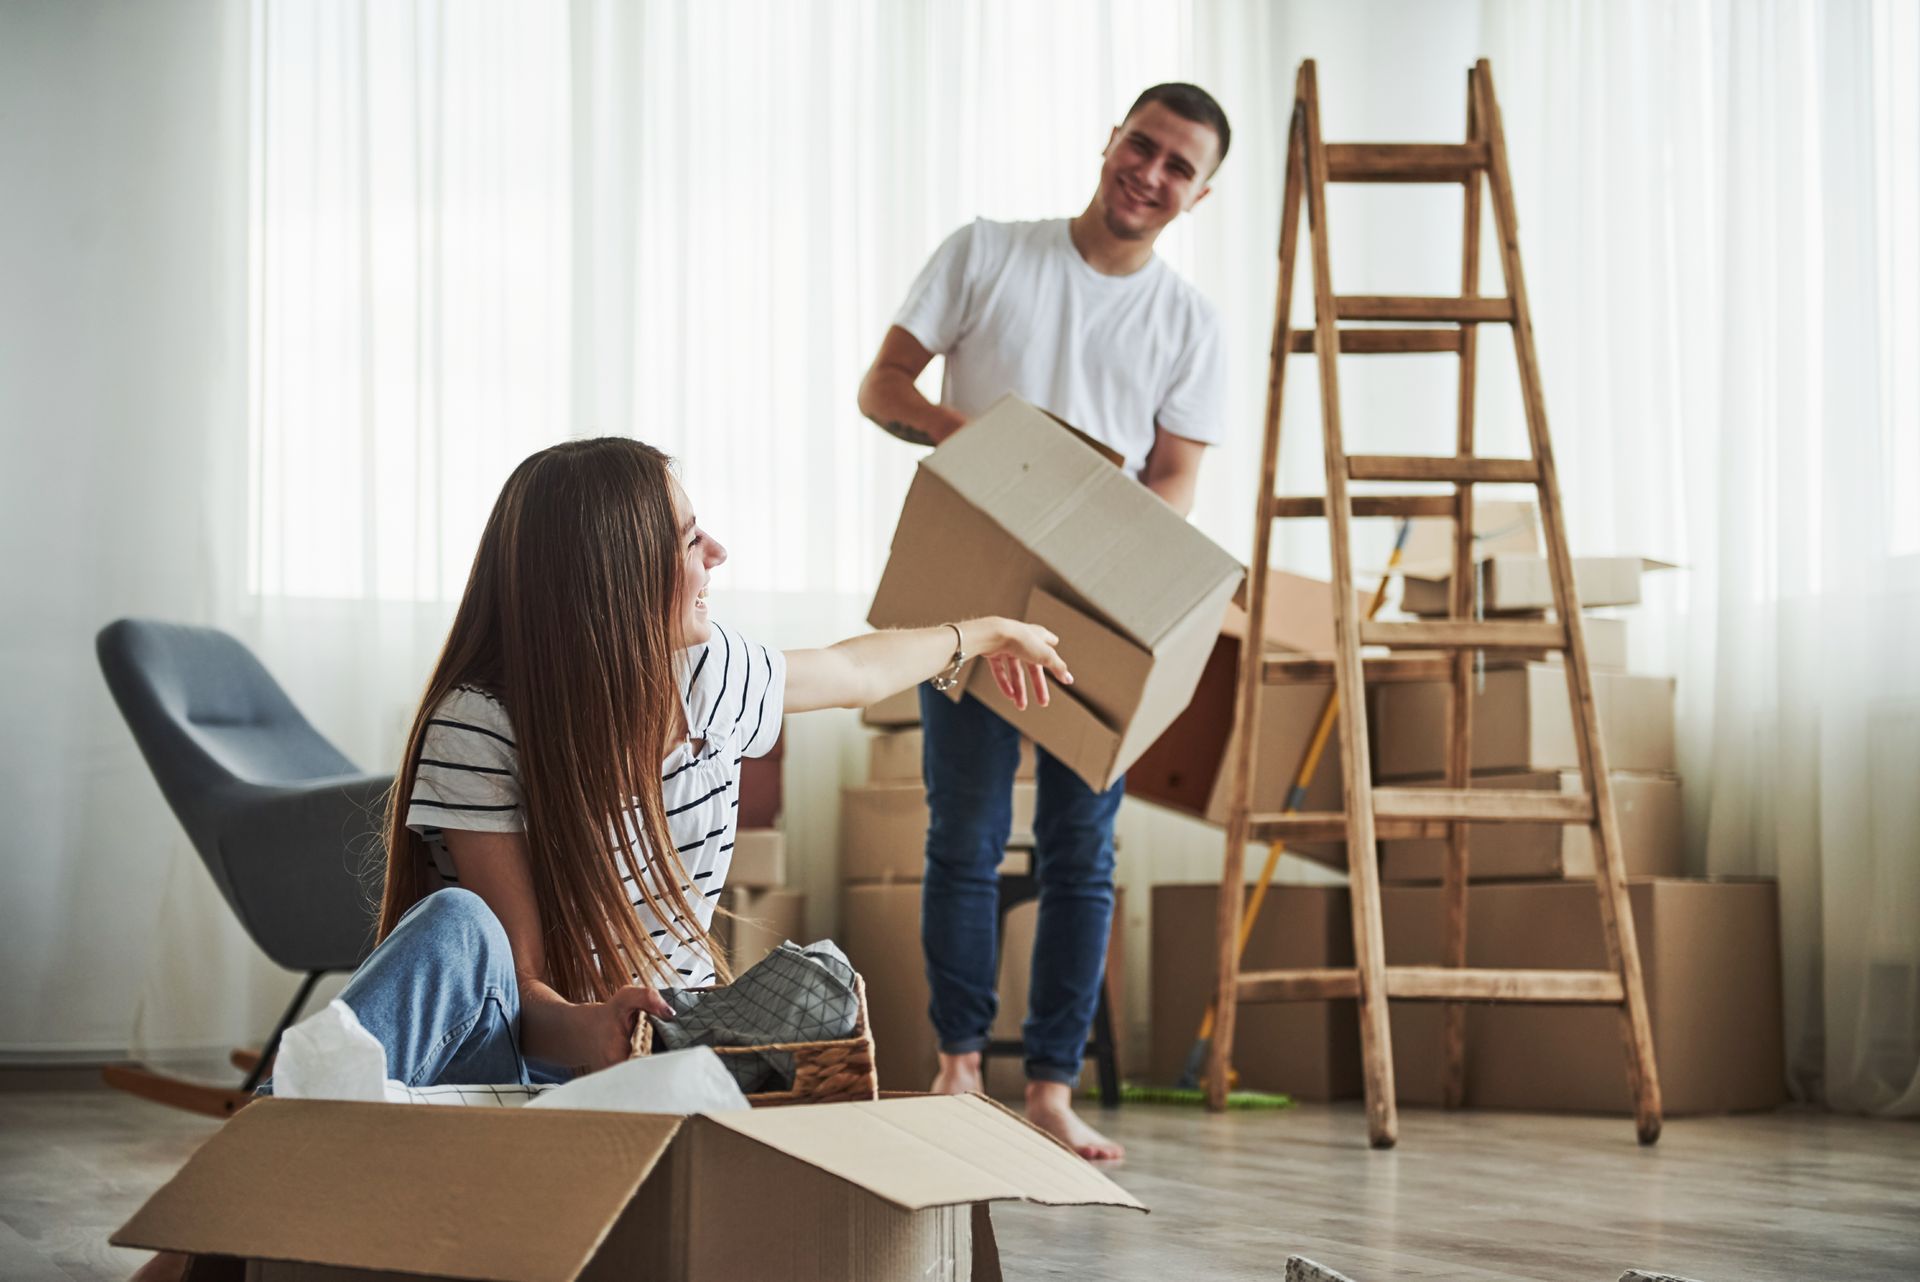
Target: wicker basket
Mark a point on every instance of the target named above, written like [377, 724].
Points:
[823, 1072]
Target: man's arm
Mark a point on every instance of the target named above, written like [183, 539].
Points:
[1173, 469]
[889, 398]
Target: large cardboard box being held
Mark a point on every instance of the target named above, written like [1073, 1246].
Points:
[883, 830]
[333, 1191]
[1020, 516]
[1647, 806]
[1522, 721]
[880, 931]
[1189, 768]
[894, 757]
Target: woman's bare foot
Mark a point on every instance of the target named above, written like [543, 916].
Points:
[1050, 1107]
[959, 1074]
[168, 1266]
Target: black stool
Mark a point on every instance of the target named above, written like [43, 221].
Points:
[1021, 888]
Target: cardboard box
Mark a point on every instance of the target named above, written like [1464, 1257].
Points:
[306, 1190]
[1501, 527]
[883, 830]
[761, 787]
[1710, 950]
[1189, 768]
[1522, 721]
[894, 757]
[1020, 516]
[761, 921]
[880, 931]
[1516, 584]
[759, 859]
[1651, 836]
[902, 709]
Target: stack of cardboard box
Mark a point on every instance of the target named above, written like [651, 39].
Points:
[759, 909]
[1710, 948]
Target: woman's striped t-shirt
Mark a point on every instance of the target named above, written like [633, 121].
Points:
[732, 689]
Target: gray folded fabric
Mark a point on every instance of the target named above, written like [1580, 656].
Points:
[794, 994]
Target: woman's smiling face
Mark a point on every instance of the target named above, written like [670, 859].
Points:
[700, 555]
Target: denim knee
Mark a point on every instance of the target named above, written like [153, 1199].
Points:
[463, 920]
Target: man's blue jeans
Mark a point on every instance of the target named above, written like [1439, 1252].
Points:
[440, 994]
[969, 762]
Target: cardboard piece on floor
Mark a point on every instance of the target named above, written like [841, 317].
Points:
[1651, 836]
[759, 859]
[762, 920]
[882, 1189]
[880, 931]
[883, 830]
[900, 709]
[894, 757]
[1514, 584]
[1019, 516]
[1522, 721]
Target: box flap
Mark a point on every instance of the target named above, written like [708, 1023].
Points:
[1112, 542]
[494, 1195]
[935, 1150]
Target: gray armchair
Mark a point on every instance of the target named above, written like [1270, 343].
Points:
[288, 827]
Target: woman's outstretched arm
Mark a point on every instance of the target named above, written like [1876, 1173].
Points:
[866, 669]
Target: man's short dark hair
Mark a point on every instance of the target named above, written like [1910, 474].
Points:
[1190, 102]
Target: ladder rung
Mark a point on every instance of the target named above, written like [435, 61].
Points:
[1437, 983]
[1466, 634]
[1331, 825]
[1406, 307]
[1428, 467]
[1367, 505]
[1381, 669]
[1382, 342]
[1483, 805]
[1405, 162]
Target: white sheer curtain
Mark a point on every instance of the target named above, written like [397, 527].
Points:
[1719, 208]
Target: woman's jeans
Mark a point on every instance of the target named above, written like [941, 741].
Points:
[440, 994]
[969, 762]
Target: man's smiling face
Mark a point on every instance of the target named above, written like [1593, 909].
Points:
[1156, 168]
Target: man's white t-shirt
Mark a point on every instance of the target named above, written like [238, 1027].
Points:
[1014, 308]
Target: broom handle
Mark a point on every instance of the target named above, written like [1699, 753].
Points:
[1297, 795]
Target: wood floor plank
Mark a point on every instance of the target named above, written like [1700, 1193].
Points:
[1477, 1196]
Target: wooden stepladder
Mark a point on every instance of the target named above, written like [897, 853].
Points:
[1449, 646]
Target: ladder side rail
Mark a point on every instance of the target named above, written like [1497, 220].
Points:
[1623, 953]
[1376, 1045]
[1463, 584]
[1253, 647]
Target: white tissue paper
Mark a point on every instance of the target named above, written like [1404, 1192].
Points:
[329, 1055]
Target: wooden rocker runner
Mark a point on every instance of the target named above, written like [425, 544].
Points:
[1442, 649]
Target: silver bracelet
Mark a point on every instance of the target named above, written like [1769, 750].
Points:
[949, 677]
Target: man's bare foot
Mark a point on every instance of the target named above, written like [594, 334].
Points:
[168, 1266]
[959, 1074]
[1050, 1107]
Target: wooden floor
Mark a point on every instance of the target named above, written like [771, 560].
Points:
[1793, 1195]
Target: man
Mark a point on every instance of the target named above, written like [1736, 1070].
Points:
[1079, 317]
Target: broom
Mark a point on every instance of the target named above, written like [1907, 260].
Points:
[1187, 1090]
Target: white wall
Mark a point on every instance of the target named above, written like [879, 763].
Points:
[121, 340]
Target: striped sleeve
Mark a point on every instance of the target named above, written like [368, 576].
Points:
[468, 775]
[736, 689]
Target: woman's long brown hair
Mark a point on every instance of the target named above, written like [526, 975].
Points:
[569, 618]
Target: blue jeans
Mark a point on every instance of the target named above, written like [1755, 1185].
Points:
[969, 763]
[440, 994]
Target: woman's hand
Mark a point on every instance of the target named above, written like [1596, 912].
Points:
[602, 1032]
[1020, 656]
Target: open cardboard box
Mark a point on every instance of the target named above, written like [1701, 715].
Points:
[1021, 516]
[332, 1191]
[1519, 584]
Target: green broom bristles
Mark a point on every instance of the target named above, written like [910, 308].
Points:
[1131, 1093]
